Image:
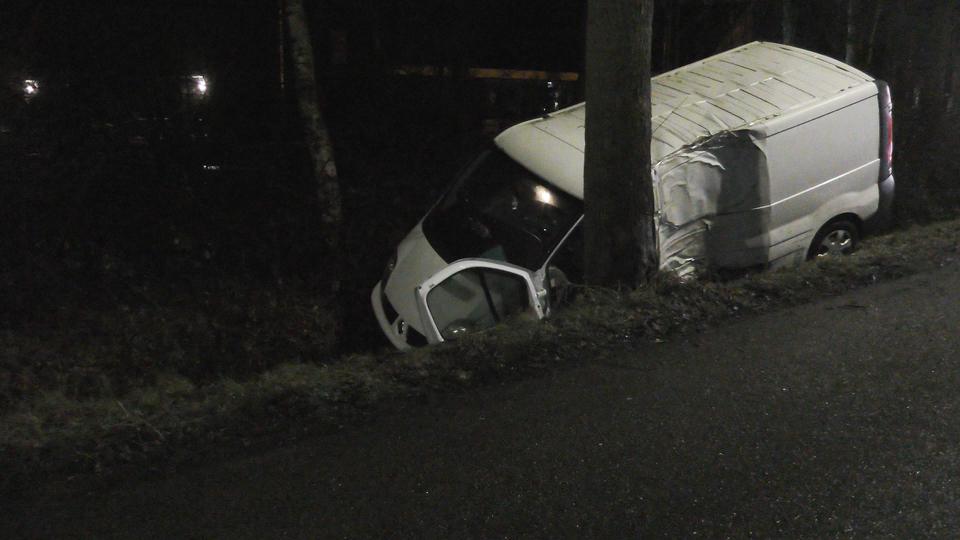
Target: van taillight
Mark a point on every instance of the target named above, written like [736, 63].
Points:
[886, 130]
[888, 144]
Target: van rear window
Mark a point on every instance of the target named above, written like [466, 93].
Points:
[499, 210]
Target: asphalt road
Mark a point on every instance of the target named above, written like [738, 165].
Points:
[833, 419]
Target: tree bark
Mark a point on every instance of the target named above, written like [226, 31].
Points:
[742, 29]
[666, 47]
[788, 22]
[281, 48]
[316, 134]
[940, 52]
[851, 42]
[872, 40]
[619, 231]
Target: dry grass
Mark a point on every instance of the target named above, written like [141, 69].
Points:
[170, 417]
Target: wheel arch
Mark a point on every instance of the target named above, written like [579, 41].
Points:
[848, 217]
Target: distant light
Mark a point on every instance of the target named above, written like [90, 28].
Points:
[200, 84]
[543, 195]
[211, 167]
[31, 87]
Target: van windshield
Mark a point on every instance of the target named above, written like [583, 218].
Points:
[499, 210]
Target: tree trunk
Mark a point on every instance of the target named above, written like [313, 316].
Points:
[667, 41]
[742, 29]
[316, 134]
[851, 48]
[619, 231]
[788, 22]
[281, 48]
[872, 40]
[940, 52]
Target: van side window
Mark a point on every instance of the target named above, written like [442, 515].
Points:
[475, 299]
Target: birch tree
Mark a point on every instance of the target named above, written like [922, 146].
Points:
[619, 233]
[316, 134]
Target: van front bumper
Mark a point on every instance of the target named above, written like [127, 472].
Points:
[396, 330]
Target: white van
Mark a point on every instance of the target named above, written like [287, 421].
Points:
[762, 155]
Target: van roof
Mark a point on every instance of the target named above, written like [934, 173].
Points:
[738, 89]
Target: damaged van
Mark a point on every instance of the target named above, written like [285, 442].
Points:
[763, 155]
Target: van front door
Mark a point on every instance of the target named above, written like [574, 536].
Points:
[474, 294]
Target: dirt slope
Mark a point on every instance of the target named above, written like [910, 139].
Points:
[836, 418]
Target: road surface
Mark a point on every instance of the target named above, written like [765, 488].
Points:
[833, 419]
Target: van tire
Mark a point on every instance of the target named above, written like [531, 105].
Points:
[838, 237]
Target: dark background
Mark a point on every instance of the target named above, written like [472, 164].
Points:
[131, 208]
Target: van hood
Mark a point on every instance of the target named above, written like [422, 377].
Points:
[416, 261]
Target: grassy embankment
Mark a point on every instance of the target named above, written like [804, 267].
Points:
[165, 416]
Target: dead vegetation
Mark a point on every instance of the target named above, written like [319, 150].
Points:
[170, 418]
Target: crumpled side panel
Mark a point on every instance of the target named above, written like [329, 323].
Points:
[708, 194]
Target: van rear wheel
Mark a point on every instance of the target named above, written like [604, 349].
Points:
[835, 239]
